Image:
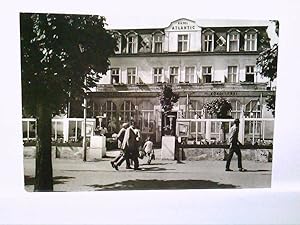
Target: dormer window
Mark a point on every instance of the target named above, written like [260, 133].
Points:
[251, 40]
[157, 42]
[118, 37]
[208, 41]
[233, 40]
[132, 43]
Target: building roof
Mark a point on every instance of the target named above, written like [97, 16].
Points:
[205, 23]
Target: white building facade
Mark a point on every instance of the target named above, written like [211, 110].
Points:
[201, 63]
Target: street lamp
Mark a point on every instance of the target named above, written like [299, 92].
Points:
[84, 122]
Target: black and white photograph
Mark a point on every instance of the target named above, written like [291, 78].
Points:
[150, 112]
[189, 105]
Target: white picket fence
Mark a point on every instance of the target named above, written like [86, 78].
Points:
[252, 130]
[201, 131]
[64, 130]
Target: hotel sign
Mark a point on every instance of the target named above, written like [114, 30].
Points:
[223, 93]
[183, 25]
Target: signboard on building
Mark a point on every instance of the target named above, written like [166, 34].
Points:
[183, 25]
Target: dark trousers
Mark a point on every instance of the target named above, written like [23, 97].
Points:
[234, 149]
[118, 157]
[122, 157]
[135, 158]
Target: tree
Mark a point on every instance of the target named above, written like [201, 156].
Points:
[219, 108]
[58, 53]
[267, 62]
[267, 67]
[271, 103]
[167, 99]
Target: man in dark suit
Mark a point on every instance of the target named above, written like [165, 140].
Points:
[234, 146]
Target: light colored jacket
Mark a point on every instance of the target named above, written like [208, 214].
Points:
[233, 135]
[120, 137]
[129, 139]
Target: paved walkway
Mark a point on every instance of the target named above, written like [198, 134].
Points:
[76, 175]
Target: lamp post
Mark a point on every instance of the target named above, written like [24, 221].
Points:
[84, 122]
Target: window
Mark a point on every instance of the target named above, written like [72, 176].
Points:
[117, 36]
[127, 112]
[174, 75]
[195, 110]
[232, 74]
[206, 74]
[132, 44]
[233, 41]
[109, 109]
[249, 73]
[190, 74]
[131, 75]
[208, 42]
[157, 42]
[236, 109]
[115, 75]
[215, 127]
[146, 119]
[119, 47]
[157, 74]
[250, 41]
[182, 43]
[253, 110]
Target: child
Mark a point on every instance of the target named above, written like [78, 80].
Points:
[148, 148]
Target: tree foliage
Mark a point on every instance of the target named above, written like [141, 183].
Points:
[267, 66]
[271, 103]
[267, 62]
[60, 54]
[167, 98]
[57, 51]
[219, 108]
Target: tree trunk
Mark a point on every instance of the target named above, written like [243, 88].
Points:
[43, 161]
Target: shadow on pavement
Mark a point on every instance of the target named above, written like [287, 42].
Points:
[161, 185]
[154, 168]
[56, 180]
[257, 171]
[155, 164]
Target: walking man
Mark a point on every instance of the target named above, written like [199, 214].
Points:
[129, 145]
[123, 153]
[234, 146]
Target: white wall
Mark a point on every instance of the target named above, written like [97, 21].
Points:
[145, 66]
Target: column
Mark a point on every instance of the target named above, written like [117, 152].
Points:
[208, 130]
[66, 129]
[242, 125]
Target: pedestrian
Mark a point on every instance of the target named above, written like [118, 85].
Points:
[130, 145]
[234, 146]
[148, 149]
[123, 153]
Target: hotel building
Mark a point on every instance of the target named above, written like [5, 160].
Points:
[200, 62]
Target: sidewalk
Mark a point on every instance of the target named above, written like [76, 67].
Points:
[76, 175]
